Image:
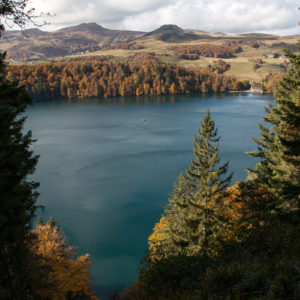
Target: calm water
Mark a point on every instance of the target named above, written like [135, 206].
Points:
[107, 166]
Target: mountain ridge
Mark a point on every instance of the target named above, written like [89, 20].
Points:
[36, 44]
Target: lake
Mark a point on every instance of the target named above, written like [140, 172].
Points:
[108, 165]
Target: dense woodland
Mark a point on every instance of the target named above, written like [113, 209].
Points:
[100, 77]
[193, 52]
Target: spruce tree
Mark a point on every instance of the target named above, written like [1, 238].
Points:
[17, 162]
[279, 145]
[17, 192]
[196, 202]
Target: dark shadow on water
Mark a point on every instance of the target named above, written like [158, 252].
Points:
[104, 292]
[143, 100]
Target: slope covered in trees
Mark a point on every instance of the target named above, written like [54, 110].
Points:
[254, 250]
[102, 78]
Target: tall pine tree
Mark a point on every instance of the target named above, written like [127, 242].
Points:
[279, 145]
[17, 193]
[196, 203]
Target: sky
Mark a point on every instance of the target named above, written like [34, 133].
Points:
[228, 16]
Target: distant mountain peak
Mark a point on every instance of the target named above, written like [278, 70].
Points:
[91, 27]
[168, 27]
[172, 33]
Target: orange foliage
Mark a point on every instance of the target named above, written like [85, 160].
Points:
[99, 77]
[271, 82]
[158, 235]
[238, 204]
[60, 273]
[241, 202]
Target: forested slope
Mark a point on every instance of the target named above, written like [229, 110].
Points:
[100, 77]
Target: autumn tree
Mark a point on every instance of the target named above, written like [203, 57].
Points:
[99, 77]
[60, 275]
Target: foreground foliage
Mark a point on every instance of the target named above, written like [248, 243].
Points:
[196, 204]
[18, 194]
[58, 274]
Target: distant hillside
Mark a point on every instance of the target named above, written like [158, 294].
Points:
[259, 36]
[38, 44]
[257, 56]
[173, 34]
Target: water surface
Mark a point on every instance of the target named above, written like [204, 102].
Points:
[107, 167]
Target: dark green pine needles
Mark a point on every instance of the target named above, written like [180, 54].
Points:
[17, 193]
[196, 203]
[279, 143]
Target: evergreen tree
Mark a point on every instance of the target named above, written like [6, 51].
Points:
[196, 202]
[17, 193]
[279, 144]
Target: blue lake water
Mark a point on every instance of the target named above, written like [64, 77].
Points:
[108, 165]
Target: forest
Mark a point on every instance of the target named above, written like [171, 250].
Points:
[99, 77]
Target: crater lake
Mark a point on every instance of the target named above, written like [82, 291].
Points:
[107, 166]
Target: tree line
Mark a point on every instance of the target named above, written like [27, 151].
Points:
[99, 77]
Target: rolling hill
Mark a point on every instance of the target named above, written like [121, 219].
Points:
[38, 44]
[258, 54]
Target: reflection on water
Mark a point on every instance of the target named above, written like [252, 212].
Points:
[107, 166]
[147, 99]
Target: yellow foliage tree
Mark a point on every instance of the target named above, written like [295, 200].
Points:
[61, 275]
[158, 236]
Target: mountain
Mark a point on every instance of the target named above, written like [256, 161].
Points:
[35, 44]
[173, 34]
[38, 44]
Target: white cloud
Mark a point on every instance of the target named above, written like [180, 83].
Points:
[230, 16]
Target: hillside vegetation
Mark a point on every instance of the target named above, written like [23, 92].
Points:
[251, 56]
[102, 78]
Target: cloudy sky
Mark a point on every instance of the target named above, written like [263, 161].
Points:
[229, 16]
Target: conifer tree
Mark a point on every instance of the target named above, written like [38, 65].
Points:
[196, 202]
[17, 193]
[279, 144]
